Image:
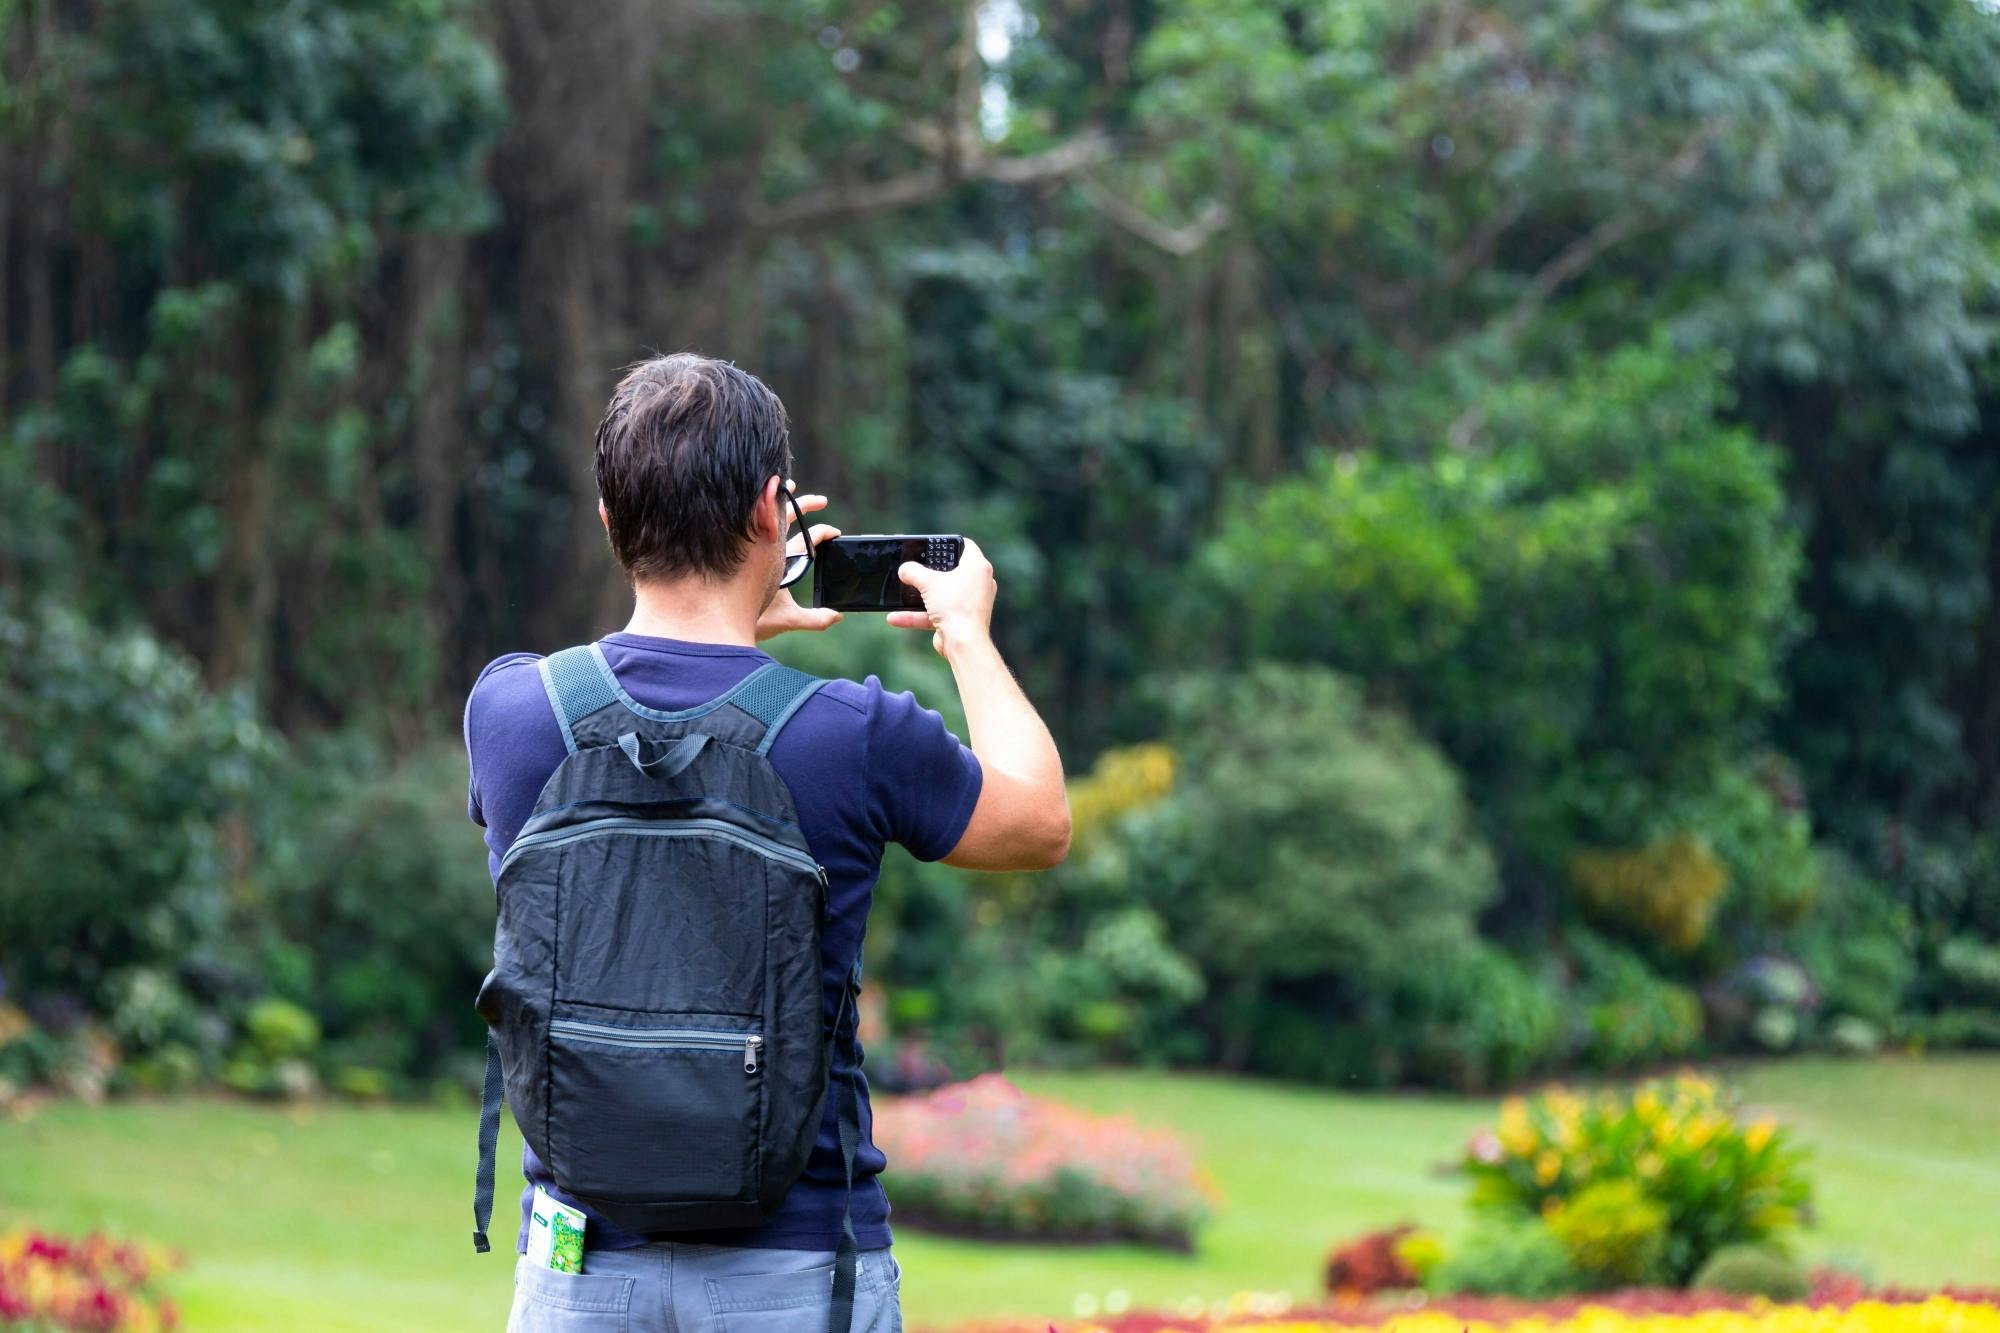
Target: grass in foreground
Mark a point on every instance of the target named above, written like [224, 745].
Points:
[345, 1218]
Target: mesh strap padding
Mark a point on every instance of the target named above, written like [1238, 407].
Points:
[766, 695]
[771, 695]
[577, 687]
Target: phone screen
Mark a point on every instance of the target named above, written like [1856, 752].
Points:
[859, 573]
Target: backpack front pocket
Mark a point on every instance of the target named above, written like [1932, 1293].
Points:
[646, 1107]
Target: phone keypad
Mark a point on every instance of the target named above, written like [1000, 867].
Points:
[941, 553]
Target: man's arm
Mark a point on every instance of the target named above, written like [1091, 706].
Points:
[1021, 821]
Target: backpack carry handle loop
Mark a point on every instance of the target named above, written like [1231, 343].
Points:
[668, 764]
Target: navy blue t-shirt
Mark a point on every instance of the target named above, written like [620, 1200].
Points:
[865, 768]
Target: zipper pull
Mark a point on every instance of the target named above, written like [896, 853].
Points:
[751, 1046]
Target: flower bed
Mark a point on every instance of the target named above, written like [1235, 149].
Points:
[984, 1158]
[1835, 1307]
[96, 1283]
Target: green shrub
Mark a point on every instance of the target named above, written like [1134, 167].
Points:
[118, 776]
[1857, 946]
[1677, 1144]
[1309, 837]
[1631, 1016]
[1588, 603]
[1954, 1029]
[1971, 970]
[1480, 1021]
[1754, 1270]
[279, 1030]
[380, 906]
[1665, 890]
[1519, 1258]
[1853, 1036]
[1615, 1233]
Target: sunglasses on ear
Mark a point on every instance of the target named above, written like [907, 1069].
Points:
[797, 565]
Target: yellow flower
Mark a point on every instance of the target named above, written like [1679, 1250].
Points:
[1758, 1135]
[1547, 1167]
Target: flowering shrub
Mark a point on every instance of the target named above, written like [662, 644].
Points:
[1637, 1311]
[985, 1157]
[1613, 1231]
[95, 1283]
[1683, 1152]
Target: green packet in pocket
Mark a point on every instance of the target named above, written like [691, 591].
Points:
[555, 1234]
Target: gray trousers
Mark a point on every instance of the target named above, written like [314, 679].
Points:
[673, 1288]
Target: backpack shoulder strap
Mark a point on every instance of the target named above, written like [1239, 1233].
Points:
[772, 694]
[580, 682]
[577, 688]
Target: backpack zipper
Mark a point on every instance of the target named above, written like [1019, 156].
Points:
[654, 828]
[663, 1039]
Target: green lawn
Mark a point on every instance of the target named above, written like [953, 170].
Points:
[342, 1218]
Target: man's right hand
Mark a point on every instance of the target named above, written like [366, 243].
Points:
[958, 602]
[1021, 820]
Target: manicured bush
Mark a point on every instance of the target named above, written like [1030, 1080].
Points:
[1720, 1182]
[1754, 1270]
[984, 1157]
[1311, 841]
[1378, 1261]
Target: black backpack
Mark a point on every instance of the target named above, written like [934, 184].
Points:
[655, 999]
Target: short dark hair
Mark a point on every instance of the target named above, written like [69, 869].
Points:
[683, 451]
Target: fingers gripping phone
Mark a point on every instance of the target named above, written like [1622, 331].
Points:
[859, 573]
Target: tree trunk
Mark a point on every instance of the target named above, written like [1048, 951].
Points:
[246, 584]
[580, 84]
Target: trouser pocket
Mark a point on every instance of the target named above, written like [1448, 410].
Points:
[546, 1301]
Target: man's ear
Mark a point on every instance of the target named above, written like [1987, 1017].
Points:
[604, 516]
[768, 518]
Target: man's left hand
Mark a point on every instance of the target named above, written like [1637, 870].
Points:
[784, 613]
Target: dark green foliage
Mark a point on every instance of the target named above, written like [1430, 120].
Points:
[1605, 389]
[287, 133]
[123, 787]
[390, 971]
[1588, 607]
[1857, 945]
[1630, 1016]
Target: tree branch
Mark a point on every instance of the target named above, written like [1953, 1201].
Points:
[847, 202]
[1181, 241]
[1585, 250]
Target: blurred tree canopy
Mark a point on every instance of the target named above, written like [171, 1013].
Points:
[1605, 388]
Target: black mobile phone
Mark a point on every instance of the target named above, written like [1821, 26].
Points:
[859, 573]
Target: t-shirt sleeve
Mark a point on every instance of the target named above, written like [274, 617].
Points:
[506, 715]
[922, 782]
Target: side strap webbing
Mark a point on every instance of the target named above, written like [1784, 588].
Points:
[576, 688]
[848, 1116]
[489, 1139]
